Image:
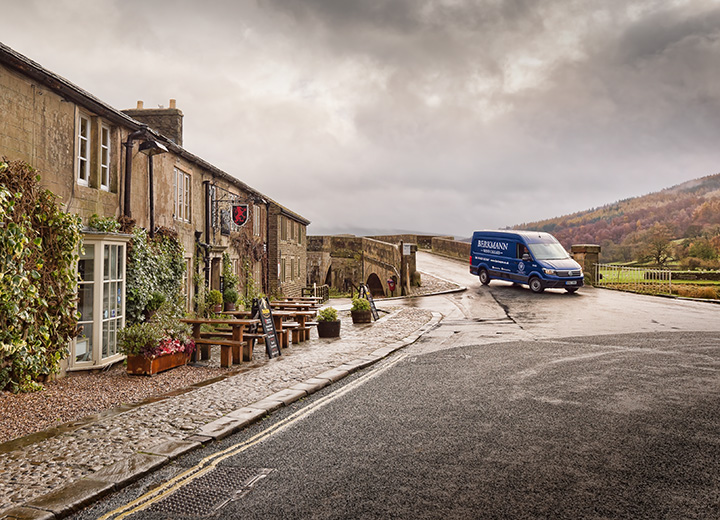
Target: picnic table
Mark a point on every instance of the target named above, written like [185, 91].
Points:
[230, 347]
[299, 327]
[294, 306]
[301, 324]
[301, 299]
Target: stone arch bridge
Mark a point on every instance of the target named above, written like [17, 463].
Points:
[346, 261]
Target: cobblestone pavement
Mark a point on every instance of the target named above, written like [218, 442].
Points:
[38, 468]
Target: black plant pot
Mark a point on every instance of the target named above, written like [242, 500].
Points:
[361, 316]
[328, 329]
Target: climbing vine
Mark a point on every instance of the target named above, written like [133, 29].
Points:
[249, 249]
[154, 266]
[38, 257]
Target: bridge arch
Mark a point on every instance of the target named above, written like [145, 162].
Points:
[375, 285]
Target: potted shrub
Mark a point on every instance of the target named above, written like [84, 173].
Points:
[156, 301]
[328, 323]
[215, 301]
[153, 347]
[230, 298]
[360, 311]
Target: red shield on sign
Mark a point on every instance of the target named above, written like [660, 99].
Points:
[240, 214]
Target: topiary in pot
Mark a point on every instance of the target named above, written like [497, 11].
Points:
[328, 323]
[156, 301]
[360, 311]
[215, 300]
[230, 298]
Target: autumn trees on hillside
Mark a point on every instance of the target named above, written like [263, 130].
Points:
[680, 224]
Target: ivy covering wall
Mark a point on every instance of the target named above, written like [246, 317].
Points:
[154, 266]
[38, 258]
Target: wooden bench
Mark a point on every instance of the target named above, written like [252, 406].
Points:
[229, 350]
[232, 350]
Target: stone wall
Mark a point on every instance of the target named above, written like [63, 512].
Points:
[451, 248]
[422, 241]
[167, 121]
[587, 255]
[344, 261]
[38, 126]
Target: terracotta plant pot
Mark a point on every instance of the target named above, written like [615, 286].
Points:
[141, 365]
[361, 316]
[328, 329]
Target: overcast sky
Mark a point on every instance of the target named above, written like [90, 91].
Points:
[437, 116]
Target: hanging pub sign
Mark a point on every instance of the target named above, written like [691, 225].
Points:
[240, 214]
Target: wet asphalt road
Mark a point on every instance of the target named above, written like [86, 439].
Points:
[593, 405]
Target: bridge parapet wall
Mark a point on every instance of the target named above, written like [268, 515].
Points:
[422, 241]
[451, 248]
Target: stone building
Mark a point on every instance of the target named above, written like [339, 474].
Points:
[113, 163]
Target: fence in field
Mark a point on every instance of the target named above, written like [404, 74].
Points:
[634, 279]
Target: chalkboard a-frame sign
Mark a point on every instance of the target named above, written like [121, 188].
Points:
[262, 311]
[365, 293]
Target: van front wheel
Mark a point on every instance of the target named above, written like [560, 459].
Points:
[484, 276]
[536, 285]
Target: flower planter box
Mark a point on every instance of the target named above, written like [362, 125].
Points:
[361, 316]
[328, 329]
[144, 366]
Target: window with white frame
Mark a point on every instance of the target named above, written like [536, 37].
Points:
[83, 150]
[104, 158]
[256, 220]
[101, 302]
[181, 190]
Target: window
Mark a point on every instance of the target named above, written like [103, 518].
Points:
[187, 284]
[83, 150]
[112, 292]
[283, 228]
[104, 158]
[292, 268]
[181, 190]
[101, 302]
[256, 220]
[282, 269]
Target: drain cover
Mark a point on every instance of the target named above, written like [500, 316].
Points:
[206, 495]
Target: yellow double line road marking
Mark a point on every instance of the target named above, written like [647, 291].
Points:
[210, 463]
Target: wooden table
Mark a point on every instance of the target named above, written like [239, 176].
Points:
[302, 331]
[302, 299]
[294, 306]
[299, 333]
[230, 349]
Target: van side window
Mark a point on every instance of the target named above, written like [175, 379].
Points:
[522, 250]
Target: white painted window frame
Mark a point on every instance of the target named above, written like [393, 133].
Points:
[83, 154]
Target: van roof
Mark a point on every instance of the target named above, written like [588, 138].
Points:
[529, 236]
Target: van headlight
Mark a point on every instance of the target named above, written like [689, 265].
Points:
[551, 272]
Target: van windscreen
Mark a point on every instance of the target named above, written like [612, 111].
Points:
[548, 251]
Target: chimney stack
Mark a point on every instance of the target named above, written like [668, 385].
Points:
[166, 121]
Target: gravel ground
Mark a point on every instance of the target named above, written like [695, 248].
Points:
[84, 394]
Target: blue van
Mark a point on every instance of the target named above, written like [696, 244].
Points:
[525, 257]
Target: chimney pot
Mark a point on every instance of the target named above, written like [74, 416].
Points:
[140, 105]
[173, 103]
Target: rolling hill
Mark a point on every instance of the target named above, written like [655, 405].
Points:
[689, 211]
